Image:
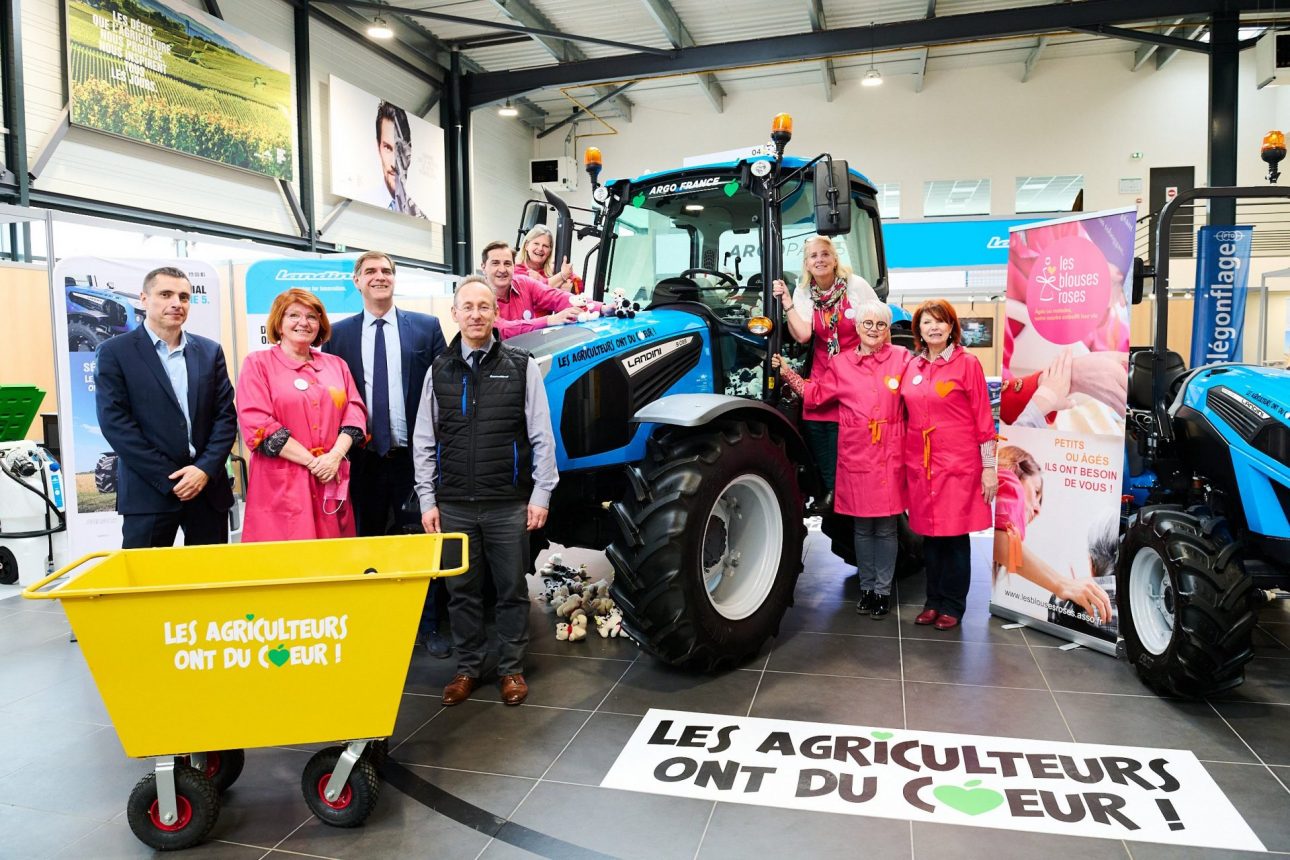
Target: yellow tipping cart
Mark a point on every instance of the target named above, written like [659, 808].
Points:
[218, 648]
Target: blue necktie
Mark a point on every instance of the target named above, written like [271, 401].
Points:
[381, 438]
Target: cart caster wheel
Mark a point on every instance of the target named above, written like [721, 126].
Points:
[198, 804]
[378, 753]
[355, 802]
[223, 767]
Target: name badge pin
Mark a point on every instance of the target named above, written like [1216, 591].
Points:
[917, 380]
[301, 384]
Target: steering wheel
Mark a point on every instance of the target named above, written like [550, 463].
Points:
[721, 276]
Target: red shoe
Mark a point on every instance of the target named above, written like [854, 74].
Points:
[927, 616]
[946, 622]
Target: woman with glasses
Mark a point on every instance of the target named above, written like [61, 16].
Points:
[863, 385]
[824, 306]
[300, 414]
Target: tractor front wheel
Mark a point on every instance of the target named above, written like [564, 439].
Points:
[1186, 608]
[711, 545]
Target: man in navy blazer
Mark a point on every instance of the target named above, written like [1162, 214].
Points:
[165, 405]
[388, 351]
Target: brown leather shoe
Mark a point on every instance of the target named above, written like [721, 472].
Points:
[514, 690]
[459, 689]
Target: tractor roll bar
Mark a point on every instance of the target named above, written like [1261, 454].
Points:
[1160, 348]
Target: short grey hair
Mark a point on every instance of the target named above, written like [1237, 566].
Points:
[873, 308]
[466, 281]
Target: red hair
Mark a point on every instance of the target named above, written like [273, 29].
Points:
[940, 310]
[287, 299]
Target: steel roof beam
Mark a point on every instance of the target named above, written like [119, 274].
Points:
[1033, 58]
[920, 77]
[818, 24]
[1164, 55]
[941, 30]
[1145, 51]
[1146, 36]
[672, 25]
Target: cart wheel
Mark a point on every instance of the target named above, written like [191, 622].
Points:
[223, 767]
[378, 753]
[354, 804]
[198, 804]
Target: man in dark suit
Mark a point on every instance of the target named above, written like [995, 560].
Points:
[165, 405]
[388, 352]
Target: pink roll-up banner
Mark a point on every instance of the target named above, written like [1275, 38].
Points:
[1061, 455]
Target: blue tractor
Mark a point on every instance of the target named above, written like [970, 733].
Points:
[1210, 448]
[677, 454]
[95, 314]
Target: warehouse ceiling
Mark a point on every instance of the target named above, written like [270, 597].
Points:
[546, 57]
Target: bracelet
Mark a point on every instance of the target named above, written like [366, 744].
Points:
[787, 308]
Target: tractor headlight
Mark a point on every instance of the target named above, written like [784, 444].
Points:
[760, 326]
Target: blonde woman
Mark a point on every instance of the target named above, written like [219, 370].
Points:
[823, 307]
[535, 261]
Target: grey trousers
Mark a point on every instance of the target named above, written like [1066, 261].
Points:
[499, 547]
[876, 546]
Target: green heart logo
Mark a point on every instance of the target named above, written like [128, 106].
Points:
[638, 200]
[250, 616]
[280, 655]
[882, 736]
[968, 800]
[731, 187]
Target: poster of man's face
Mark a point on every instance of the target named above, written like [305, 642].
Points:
[383, 156]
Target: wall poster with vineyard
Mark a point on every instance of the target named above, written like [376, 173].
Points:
[165, 74]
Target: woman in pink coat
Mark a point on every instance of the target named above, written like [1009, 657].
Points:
[863, 385]
[300, 414]
[949, 455]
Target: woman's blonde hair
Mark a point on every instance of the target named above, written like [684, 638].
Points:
[522, 256]
[843, 272]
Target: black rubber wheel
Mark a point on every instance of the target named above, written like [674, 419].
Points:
[105, 473]
[8, 566]
[355, 802]
[711, 545]
[1186, 607]
[378, 753]
[223, 767]
[82, 338]
[198, 803]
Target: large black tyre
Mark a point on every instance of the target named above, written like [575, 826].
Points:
[357, 799]
[82, 338]
[1185, 605]
[105, 473]
[198, 803]
[8, 566]
[726, 493]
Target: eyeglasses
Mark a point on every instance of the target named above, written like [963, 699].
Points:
[312, 319]
[873, 325]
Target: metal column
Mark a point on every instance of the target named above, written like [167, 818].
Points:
[1224, 70]
[304, 126]
[457, 123]
[15, 120]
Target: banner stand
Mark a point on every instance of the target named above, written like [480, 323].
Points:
[1093, 643]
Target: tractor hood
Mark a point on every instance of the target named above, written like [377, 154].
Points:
[581, 344]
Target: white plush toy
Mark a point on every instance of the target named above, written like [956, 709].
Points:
[583, 304]
[610, 625]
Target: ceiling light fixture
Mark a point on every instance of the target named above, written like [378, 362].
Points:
[873, 77]
[508, 110]
[378, 29]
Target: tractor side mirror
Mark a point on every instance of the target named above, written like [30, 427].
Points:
[832, 198]
[534, 214]
[1141, 271]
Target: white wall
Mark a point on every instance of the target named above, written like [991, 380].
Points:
[1076, 115]
[101, 167]
[500, 149]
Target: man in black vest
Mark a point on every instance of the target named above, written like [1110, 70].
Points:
[484, 456]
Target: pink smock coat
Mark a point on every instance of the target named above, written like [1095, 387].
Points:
[858, 290]
[865, 391]
[526, 304]
[948, 419]
[284, 501]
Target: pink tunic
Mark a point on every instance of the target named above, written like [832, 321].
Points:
[948, 419]
[524, 307]
[284, 501]
[865, 390]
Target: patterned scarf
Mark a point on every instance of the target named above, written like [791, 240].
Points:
[828, 302]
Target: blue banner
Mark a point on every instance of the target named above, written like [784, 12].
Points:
[331, 279]
[948, 244]
[1222, 269]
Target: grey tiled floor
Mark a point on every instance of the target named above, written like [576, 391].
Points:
[64, 779]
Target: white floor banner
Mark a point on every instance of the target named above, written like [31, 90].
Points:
[1113, 792]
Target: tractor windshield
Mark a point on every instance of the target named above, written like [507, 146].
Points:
[707, 230]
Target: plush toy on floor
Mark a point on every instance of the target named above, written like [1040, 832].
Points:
[610, 624]
[578, 603]
[573, 631]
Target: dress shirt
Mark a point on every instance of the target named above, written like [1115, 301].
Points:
[177, 369]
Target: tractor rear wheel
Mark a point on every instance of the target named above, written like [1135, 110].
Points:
[1186, 608]
[711, 545]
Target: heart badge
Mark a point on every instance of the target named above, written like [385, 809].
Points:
[893, 383]
[968, 800]
[250, 616]
[882, 736]
[944, 387]
[279, 656]
[639, 200]
[731, 188]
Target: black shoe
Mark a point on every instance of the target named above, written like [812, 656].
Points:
[865, 603]
[826, 506]
[881, 607]
[438, 645]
